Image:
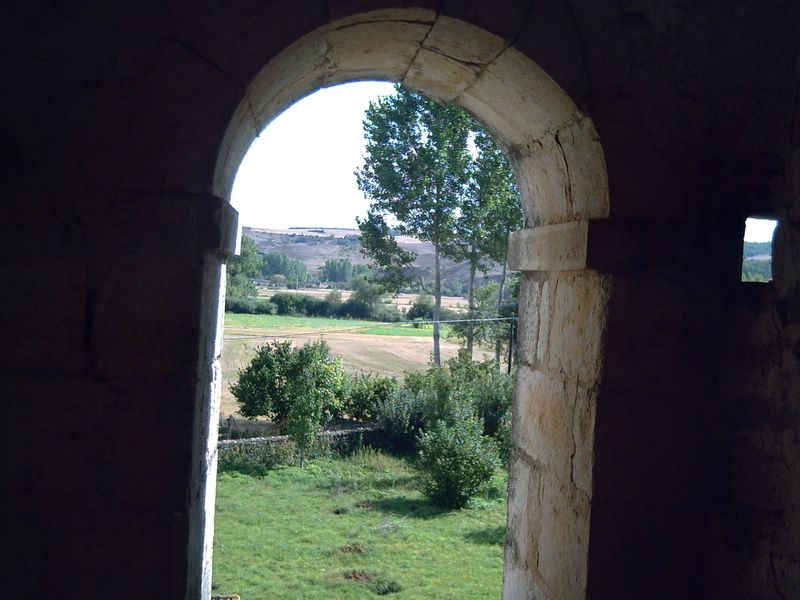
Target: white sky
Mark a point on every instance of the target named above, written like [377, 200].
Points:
[299, 172]
[759, 230]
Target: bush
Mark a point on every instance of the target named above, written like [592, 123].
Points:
[365, 392]
[422, 308]
[456, 460]
[289, 304]
[386, 313]
[353, 309]
[250, 306]
[483, 386]
[463, 386]
[278, 375]
[401, 417]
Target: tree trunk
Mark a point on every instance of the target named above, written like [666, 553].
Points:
[471, 313]
[498, 344]
[437, 305]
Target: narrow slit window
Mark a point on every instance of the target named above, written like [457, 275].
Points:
[757, 250]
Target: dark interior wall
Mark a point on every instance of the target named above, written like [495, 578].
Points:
[113, 119]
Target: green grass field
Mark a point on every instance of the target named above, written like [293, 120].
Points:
[282, 324]
[352, 529]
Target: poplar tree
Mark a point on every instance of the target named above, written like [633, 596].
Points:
[415, 174]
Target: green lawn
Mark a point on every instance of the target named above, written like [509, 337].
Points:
[279, 323]
[353, 529]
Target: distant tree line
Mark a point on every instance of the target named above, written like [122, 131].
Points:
[753, 269]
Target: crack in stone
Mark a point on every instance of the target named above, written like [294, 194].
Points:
[575, 416]
[568, 182]
[207, 61]
[465, 63]
[422, 43]
[383, 21]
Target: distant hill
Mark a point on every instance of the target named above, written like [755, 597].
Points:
[757, 261]
[315, 245]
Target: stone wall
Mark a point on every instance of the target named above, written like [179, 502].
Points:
[657, 403]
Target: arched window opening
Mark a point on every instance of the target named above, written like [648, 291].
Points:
[299, 278]
[560, 168]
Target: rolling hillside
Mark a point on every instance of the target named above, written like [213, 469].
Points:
[315, 245]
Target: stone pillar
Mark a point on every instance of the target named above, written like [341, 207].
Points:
[610, 473]
[562, 319]
[114, 304]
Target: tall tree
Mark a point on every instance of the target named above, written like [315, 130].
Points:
[242, 269]
[504, 210]
[492, 191]
[415, 173]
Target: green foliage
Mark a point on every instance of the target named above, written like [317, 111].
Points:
[757, 249]
[365, 392]
[298, 388]
[334, 300]
[278, 264]
[754, 269]
[452, 287]
[757, 270]
[445, 394]
[250, 306]
[421, 308]
[337, 269]
[386, 313]
[390, 262]
[366, 291]
[242, 269]
[415, 172]
[293, 304]
[402, 417]
[457, 460]
[503, 437]
[482, 387]
[353, 308]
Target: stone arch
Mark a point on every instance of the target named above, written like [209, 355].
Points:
[560, 167]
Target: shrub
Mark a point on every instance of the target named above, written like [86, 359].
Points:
[401, 417]
[433, 388]
[456, 460]
[365, 392]
[483, 386]
[280, 376]
[353, 309]
[289, 304]
[422, 308]
[386, 313]
[250, 306]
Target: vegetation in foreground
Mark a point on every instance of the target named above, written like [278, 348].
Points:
[451, 416]
[354, 528]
